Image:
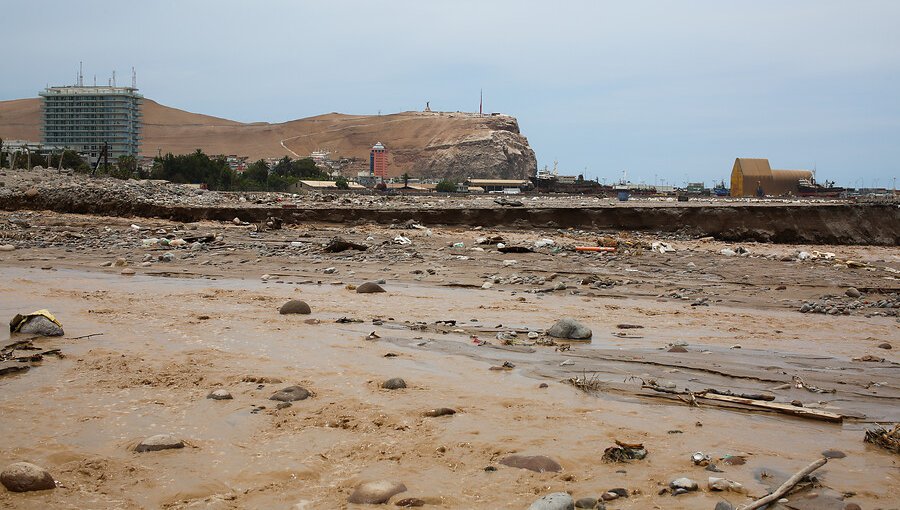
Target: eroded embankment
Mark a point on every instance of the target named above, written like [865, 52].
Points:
[869, 224]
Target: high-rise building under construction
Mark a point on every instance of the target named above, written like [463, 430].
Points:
[84, 118]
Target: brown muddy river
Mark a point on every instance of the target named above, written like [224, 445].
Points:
[167, 342]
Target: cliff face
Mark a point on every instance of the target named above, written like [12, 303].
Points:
[495, 150]
[424, 144]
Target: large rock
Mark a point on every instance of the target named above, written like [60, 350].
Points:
[25, 476]
[376, 493]
[220, 394]
[295, 306]
[40, 325]
[291, 394]
[369, 288]
[555, 501]
[159, 442]
[395, 383]
[536, 463]
[570, 329]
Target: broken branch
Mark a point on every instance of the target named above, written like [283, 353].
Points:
[786, 486]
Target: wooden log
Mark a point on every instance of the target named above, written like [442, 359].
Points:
[777, 407]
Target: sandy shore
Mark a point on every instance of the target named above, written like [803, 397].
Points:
[176, 330]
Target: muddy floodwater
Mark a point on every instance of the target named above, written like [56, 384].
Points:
[142, 351]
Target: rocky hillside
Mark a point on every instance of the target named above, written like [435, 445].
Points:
[430, 144]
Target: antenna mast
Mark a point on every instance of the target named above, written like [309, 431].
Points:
[80, 74]
[133, 78]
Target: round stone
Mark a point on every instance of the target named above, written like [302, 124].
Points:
[291, 394]
[536, 463]
[571, 329]
[369, 288]
[295, 306]
[853, 292]
[25, 476]
[395, 383]
[220, 394]
[586, 503]
[375, 493]
[555, 501]
[159, 442]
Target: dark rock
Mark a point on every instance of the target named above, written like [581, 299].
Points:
[620, 492]
[569, 329]
[295, 306]
[884, 345]
[339, 244]
[833, 454]
[853, 292]
[852, 506]
[410, 502]
[677, 348]
[543, 385]
[25, 476]
[609, 496]
[220, 394]
[394, 384]
[40, 325]
[290, 394]
[375, 493]
[159, 442]
[586, 503]
[536, 463]
[369, 288]
[555, 501]
[724, 505]
[440, 411]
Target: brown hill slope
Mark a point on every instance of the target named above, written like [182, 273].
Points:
[430, 144]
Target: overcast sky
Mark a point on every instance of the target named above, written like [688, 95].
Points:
[670, 90]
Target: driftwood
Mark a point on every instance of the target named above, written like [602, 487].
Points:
[720, 396]
[86, 336]
[751, 396]
[776, 406]
[785, 487]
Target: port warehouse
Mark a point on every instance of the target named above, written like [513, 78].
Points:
[748, 174]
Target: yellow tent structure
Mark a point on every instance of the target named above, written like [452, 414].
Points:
[748, 174]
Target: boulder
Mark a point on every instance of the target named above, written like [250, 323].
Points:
[586, 503]
[25, 476]
[291, 394]
[295, 306]
[369, 288]
[220, 394]
[569, 329]
[395, 383]
[159, 442]
[555, 501]
[853, 292]
[375, 493]
[536, 463]
[40, 325]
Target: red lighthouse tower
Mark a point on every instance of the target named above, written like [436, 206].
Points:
[378, 161]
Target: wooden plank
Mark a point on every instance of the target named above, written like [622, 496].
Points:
[776, 406]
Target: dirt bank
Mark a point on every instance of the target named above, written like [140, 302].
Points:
[814, 223]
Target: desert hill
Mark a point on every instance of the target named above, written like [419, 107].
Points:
[433, 144]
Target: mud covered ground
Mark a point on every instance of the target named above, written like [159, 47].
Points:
[204, 315]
